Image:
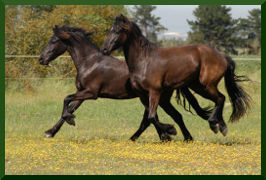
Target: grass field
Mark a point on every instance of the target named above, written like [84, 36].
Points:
[99, 144]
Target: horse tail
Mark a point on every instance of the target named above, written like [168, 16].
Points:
[239, 99]
[204, 113]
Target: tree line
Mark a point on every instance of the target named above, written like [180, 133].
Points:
[215, 26]
[28, 29]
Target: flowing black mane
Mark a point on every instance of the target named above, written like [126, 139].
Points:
[145, 44]
[79, 31]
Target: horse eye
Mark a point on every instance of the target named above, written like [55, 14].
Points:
[54, 41]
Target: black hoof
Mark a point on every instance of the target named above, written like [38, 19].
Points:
[188, 139]
[69, 118]
[133, 138]
[223, 129]
[165, 137]
[170, 129]
[214, 127]
[49, 134]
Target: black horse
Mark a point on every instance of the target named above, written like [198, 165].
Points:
[103, 76]
[154, 70]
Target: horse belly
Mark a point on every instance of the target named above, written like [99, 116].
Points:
[177, 76]
[117, 88]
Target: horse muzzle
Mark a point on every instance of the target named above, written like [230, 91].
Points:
[105, 51]
[43, 62]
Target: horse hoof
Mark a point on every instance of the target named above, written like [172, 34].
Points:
[171, 130]
[188, 139]
[224, 130]
[165, 137]
[133, 138]
[48, 135]
[214, 127]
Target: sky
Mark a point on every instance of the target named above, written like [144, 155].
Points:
[174, 17]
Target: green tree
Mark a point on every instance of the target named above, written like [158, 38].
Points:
[149, 23]
[250, 31]
[28, 29]
[166, 42]
[214, 26]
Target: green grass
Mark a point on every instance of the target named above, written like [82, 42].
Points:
[98, 144]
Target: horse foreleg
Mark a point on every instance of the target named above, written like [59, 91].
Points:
[51, 132]
[80, 95]
[143, 126]
[177, 117]
[145, 121]
[154, 97]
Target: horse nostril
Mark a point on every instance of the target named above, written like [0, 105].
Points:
[41, 60]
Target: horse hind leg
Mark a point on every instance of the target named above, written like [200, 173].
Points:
[217, 113]
[216, 118]
[204, 113]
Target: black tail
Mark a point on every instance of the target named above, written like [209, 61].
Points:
[204, 113]
[240, 100]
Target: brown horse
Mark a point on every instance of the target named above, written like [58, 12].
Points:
[154, 70]
[103, 76]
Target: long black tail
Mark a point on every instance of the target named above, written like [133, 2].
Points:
[204, 113]
[240, 100]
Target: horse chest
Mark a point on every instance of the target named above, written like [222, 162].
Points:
[140, 83]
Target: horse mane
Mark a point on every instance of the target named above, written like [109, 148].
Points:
[145, 44]
[75, 30]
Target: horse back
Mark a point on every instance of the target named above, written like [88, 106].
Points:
[185, 63]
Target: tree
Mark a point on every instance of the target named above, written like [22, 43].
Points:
[166, 42]
[214, 26]
[250, 31]
[149, 23]
[28, 29]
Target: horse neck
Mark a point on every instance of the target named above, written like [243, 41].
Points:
[134, 52]
[80, 52]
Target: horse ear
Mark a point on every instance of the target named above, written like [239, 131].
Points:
[125, 23]
[89, 33]
[61, 34]
[55, 28]
[124, 19]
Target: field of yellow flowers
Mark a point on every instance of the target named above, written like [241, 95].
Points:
[99, 144]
